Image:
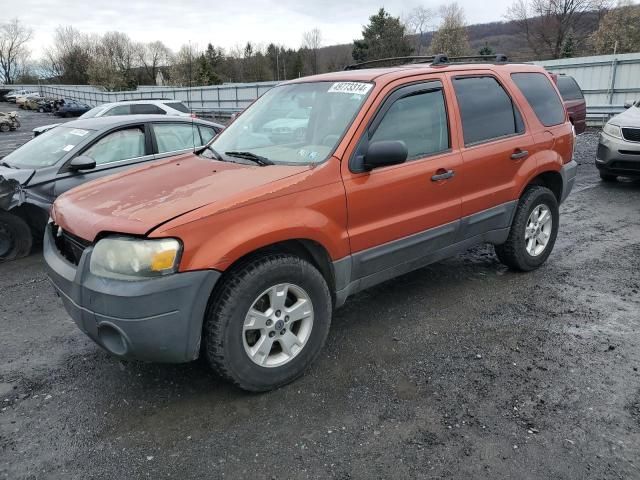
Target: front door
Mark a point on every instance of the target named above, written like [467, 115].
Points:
[401, 213]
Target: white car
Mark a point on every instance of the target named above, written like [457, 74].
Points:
[140, 107]
[130, 107]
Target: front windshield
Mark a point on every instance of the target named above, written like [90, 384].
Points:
[300, 123]
[48, 148]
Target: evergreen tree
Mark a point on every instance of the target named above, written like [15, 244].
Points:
[384, 37]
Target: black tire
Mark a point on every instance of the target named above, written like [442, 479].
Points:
[16, 239]
[607, 177]
[228, 306]
[5, 127]
[513, 252]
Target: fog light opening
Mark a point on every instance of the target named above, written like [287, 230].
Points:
[112, 339]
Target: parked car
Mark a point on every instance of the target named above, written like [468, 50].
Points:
[141, 107]
[242, 251]
[573, 99]
[32, 102]
[11, 97]
[134, 107]
[32, 176]
[72, 109]
[22, 99]
[618, 151]
[9, 121]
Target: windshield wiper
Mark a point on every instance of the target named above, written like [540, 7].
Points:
[212, 150]
[5, 164]
[260, 160]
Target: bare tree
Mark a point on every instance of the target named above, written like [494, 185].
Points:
[418, 22]
[14, 37]
[312, 40]
[619, 30]
[115, 58]
[153, 56]
[547, 24]
[451, 37]
[69, 57]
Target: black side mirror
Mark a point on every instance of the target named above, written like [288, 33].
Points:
[82, 162]
[384, 153]
[628, 104]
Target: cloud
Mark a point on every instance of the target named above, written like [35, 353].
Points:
[224, 23]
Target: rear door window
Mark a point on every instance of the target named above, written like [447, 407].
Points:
[172, 137]
[118, 110]
[178, 106]
[569, 88]
[486, 110]
[539, 92]
[146, 109]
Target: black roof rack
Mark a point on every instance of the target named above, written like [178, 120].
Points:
[439, 59]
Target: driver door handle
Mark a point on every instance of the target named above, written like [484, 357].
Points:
[519, 154]
[442, 174]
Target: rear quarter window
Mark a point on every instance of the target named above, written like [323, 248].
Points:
[178, 106]
[539, 92]
[569, 88]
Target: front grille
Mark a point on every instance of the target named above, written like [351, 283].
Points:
[630, 152]
[631, 134]
[70, 246]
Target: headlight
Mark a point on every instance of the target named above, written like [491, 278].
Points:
[612, 130]
[126, 258]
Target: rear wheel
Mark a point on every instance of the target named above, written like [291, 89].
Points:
[16, 239]
[267, 322]
[5, 127]
[607, 177]
[533, 231]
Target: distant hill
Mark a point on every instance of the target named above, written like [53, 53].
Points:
[503, 37]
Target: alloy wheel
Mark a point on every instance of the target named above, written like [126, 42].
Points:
[278, 325]
[538, 230]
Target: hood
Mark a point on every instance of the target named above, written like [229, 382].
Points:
[629, 118]
[11, 181]
[138, 200]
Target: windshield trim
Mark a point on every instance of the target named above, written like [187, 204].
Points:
[348, 125]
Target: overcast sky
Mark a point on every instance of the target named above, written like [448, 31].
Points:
[224, 23]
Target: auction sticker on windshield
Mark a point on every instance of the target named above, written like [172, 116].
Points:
[350, 87]
[79, 132]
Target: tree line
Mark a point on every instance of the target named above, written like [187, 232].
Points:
[547, 29]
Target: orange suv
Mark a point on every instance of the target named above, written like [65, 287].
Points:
[325, 186]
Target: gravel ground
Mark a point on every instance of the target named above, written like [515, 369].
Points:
[28, 120]
[459, 370]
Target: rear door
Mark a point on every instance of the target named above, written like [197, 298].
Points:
[113, 152]
[401, 213]
[496, 152]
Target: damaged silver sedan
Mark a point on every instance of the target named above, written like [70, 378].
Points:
[34, 175]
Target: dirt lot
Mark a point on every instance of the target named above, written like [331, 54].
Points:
[460, 370]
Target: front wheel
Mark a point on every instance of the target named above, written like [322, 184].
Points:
[267, 322]
[533, 231]
[16, 239]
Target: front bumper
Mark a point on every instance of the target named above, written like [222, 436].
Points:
[568, 173]
[158, 320]
[618, 157]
